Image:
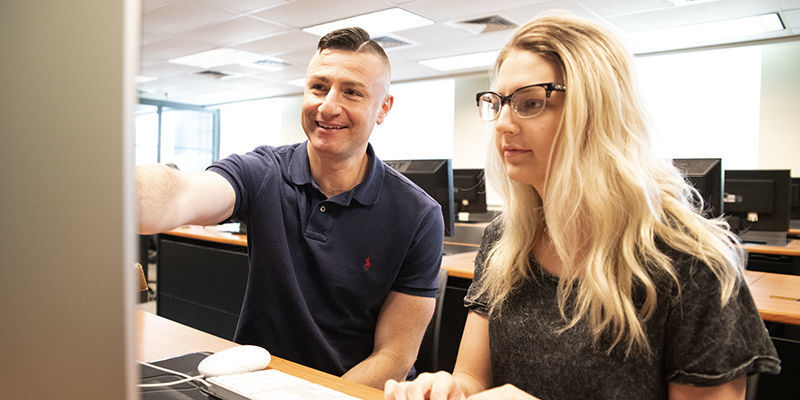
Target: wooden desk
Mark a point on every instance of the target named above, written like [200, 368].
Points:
[209, 234]
[775, 295]
[158, 338]
[778, 259]
[791, 249]
[461, 265]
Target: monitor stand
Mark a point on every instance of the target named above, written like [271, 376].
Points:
[769, 238]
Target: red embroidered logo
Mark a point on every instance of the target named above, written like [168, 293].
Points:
[367, 264]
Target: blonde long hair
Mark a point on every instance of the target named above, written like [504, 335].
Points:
[608, 196]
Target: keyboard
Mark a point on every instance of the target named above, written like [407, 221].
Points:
[270, 384]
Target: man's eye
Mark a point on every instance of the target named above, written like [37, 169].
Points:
[354, 93]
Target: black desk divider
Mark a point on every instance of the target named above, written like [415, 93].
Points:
[187, 364]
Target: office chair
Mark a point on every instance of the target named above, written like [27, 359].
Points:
[428, 356]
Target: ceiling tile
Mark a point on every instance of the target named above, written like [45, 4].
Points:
[245, 6]
[475, 44]
[182, 15]
[151, 37]
[605, 8]
[305, 13]
[148, 5]
[174, 28]
[168, 70]
[298, 57]
[237, 30]
[789, 4]
[282, 43]
[791, 19]
[437, 33]
[168, 49]
[692, 14]
[452, 10]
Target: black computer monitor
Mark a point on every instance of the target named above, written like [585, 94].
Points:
[758, 204]
[469, 192]
[705, 175]
[795, 208]
[435, 177]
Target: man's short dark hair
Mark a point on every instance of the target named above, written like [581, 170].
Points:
[352, 39]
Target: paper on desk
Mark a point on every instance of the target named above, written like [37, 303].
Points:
[227, 227]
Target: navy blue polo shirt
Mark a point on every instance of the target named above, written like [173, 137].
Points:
[321, 268]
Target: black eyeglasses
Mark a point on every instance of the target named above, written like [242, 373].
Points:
[527, 101]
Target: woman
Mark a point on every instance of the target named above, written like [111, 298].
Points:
[601, 279]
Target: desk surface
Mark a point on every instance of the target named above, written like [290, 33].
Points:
[776, 295]
[791, 249]
[158, 338]
[208, 233]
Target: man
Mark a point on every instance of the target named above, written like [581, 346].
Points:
[343, 251]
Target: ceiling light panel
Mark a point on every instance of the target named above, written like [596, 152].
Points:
[726, 31]
[376, 23]
[223, 56]
[464, 61]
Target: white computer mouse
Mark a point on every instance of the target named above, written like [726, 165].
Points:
[234, 360]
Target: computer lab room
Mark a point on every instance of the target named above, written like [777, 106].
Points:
[103, 99]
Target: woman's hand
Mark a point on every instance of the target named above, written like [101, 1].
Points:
[505, 392]
[427, 386]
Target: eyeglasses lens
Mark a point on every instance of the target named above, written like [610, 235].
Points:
[489, 106]
[529, 102]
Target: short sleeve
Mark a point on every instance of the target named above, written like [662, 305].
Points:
[247, 174]
[474, 300]
[419, 273]
[708, 344]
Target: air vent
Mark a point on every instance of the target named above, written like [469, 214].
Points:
[213, 74]
[269, 62]
[492, 23]
[390, 42]
[266, 64]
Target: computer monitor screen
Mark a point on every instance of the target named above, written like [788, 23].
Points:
[469, 191]
[795, 208]
[435, 177]
[705, 175]
[758, 202]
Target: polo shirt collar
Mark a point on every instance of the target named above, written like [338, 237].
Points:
[365, 192]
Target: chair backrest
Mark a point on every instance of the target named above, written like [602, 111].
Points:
[428, 356]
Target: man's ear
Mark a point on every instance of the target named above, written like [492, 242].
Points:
[388, 101]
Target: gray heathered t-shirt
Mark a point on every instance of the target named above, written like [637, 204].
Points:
[693, 340]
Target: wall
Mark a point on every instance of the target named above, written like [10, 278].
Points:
[472, 136]
[779, 127]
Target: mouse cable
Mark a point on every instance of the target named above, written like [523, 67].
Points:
[187, 378]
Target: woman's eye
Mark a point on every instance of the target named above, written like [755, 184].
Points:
[532, 104]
